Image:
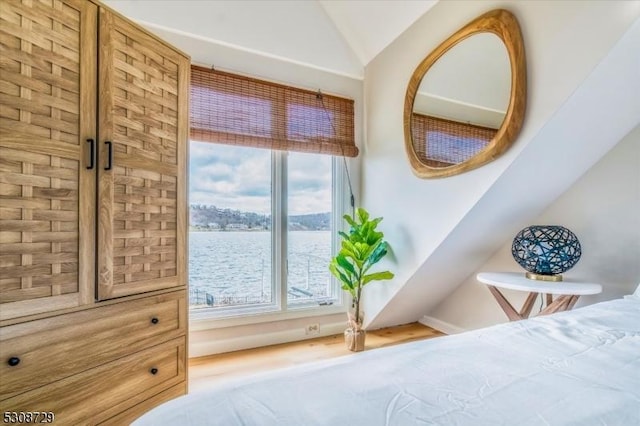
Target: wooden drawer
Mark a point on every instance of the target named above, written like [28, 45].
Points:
[133, 413]
[96, 395]
[54, 348]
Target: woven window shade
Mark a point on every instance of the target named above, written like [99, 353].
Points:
[236, 110]
[441, 143]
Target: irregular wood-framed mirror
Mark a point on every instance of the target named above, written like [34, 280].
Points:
[466, 100]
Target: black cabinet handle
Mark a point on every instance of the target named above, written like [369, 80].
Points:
[13, 361]
[92, 153]
[153, 371]
[154, 320]
[109, 155]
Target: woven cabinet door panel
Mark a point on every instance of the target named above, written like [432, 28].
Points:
[142, 174]
[47, 193]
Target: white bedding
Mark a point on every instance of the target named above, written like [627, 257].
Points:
[572, 368]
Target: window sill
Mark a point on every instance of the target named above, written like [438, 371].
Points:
[207, 320]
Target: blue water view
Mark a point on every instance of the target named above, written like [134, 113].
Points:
[235, 268]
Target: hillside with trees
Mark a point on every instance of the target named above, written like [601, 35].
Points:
[210, 218]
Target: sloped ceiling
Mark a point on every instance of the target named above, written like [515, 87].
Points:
[370, 26]
[335, 36]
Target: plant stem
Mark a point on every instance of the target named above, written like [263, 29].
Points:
[358, 304]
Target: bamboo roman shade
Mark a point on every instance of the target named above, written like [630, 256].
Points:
[440, 143]
[237, 110]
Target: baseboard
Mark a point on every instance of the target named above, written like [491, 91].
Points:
[439, 325]
[197, 349]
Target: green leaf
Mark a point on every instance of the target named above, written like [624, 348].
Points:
[350, 290]
[352, 249]
[363, 249]
[370, 251]
[339, 275]
[343, 235]
[345, 264]
[349, 220]
[379, 253]
[385, 275]
[355, 237]
[349, 246]
[365, 229]
[374, 237]
[363, 215]
[375, 222]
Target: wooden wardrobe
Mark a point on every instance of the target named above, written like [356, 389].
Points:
[93, 213]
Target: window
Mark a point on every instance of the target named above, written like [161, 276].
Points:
[440, 143]
[264, 195]
[242, 253]
[309, 229]
[230, 250]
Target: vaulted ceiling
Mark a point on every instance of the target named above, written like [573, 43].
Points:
[336, 36]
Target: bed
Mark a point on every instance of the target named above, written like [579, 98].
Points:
[572, 368]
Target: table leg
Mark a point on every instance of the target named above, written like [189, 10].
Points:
[528, 305]
[572, 303]
[562, 303]
[508, 309]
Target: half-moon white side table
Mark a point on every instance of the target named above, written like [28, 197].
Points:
[567, 291]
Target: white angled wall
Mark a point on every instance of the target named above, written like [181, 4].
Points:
[441, 230]
[603, 210]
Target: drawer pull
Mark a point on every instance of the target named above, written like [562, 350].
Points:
[109, 165]
[154, 320]
[92, 153]
[13, 361]
[153, 371]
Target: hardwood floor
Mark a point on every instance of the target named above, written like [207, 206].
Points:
[214, 368]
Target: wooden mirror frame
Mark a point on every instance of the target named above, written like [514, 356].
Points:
[505, 25]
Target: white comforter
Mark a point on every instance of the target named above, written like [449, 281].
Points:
[571, 368]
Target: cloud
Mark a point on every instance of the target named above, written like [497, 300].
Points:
[309, 183]
[239, 178]
[230, 177]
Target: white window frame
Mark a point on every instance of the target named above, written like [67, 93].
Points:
[210, 318]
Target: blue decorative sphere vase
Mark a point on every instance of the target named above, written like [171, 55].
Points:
[546, 251]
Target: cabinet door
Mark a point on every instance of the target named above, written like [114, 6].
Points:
[142, 175]
[47, 192]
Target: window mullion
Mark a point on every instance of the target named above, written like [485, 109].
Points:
[338, 210]
[280, 227]
[284, 253]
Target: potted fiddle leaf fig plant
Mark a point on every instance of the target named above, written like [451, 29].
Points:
[361, 248]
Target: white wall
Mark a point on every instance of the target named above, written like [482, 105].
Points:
[564, 42]
[602, 209]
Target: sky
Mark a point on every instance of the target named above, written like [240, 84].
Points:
[239, 178]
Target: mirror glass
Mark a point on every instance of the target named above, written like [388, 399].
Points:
[465, 101]
[462, 101]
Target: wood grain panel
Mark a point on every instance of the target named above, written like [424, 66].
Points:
[90, 362]
[105, 391]
[54, 348]
[142, 220]
[47, 242]
[128, 416]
